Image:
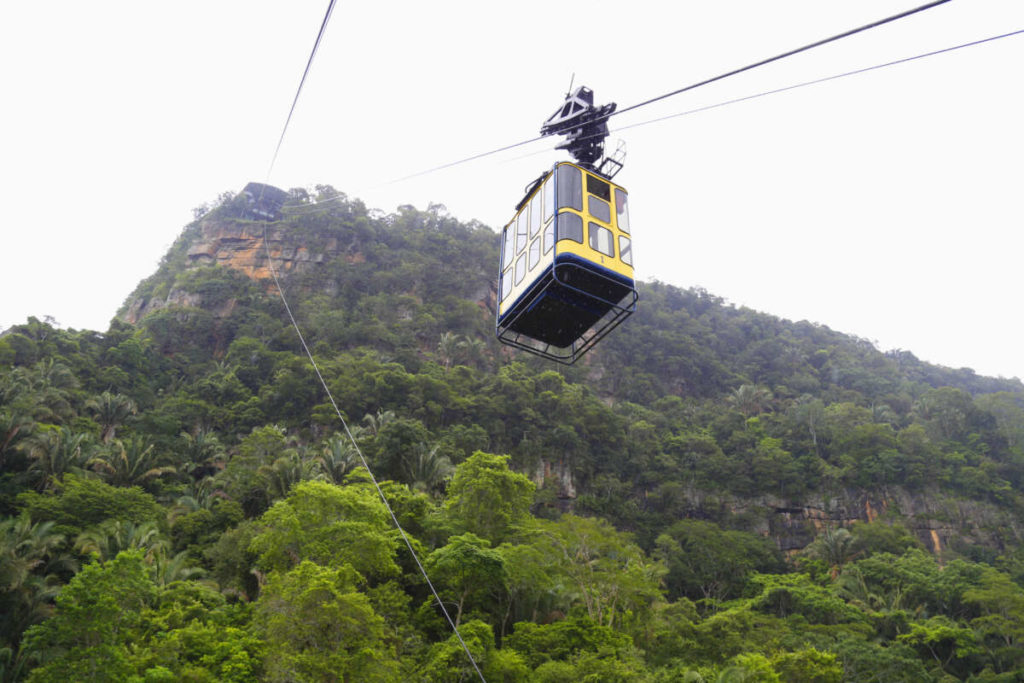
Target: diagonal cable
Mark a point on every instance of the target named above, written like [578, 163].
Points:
[316, 368]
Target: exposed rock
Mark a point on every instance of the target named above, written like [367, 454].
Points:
[239, 245]
[935, 520]
[559, 472]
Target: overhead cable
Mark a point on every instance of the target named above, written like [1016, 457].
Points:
[693, 86]
[316, 367]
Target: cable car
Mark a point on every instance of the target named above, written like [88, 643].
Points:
[566, 272]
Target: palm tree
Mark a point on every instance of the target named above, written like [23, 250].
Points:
[200, 496]
[426, 470]
[49, 384]
[167, 570]
[57, 451]
[285, 472]
[835, 547]
[447, 348]
[30, 559]
[111, 411]
[129, 464]
[337, 458]
[751, 400]
[881, 413]
[374, 422]
[14, 426]
[108, 539]
[473, 351]
[203, 452]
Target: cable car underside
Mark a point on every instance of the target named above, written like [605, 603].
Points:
[567, 311]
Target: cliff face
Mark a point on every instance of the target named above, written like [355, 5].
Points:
[240, 246]
[936, 519]
[237, 245]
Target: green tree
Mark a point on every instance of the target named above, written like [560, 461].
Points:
[1000, 603]
[111, 411]
[448, 661]
[108, 539]
[31, 561]
[941, 639]
[834, 547]
[338, 457]
[94, 623]
[808, 666]
[468, 567]
[486, 498]
[57, 451]
[319, 628]
[131, 463]
[602, 568]
[329, 525]
[707, 562]
[82, 503]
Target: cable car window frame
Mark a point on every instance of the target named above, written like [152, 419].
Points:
[522, 229]
[520, 269]
[506, 284]
[549, 198]
[534, 253]
[622, 209]
[603, 210]
[599, 188]
[535, 221]
[508, 250]
[626, 250]
[549, 237]
[570, 227]
[596, 234]
[569, 187]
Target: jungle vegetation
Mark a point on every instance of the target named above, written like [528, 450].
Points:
[179, 501]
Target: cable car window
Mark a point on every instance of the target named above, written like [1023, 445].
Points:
[625, 250]
[622, 209]
[534, 253]
[549, 198]
[509, 249]
[506, 284]
[570, 187]
[599, 187]
[535, 215]
[549, 236]
[570, 227]
[601, 239]
[599, 209]
[521, 229]
[520, 268]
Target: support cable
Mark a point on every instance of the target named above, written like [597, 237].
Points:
[696, 110]
[316, 368]
[804, 84]
[805, 48]
[692, 86]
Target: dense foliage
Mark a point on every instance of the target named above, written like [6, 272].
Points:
[713, 494]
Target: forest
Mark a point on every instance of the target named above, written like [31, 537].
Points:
[711, 495]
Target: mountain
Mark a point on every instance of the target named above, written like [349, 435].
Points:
[706, 470]
[418, 287]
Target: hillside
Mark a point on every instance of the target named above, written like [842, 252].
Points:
[706, 470]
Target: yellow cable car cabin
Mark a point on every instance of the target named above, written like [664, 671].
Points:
[566, 265]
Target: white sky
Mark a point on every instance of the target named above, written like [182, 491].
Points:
[885, 205]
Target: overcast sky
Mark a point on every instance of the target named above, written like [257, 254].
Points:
[885, 205]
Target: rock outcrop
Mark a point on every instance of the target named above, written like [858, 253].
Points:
[238, 245]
